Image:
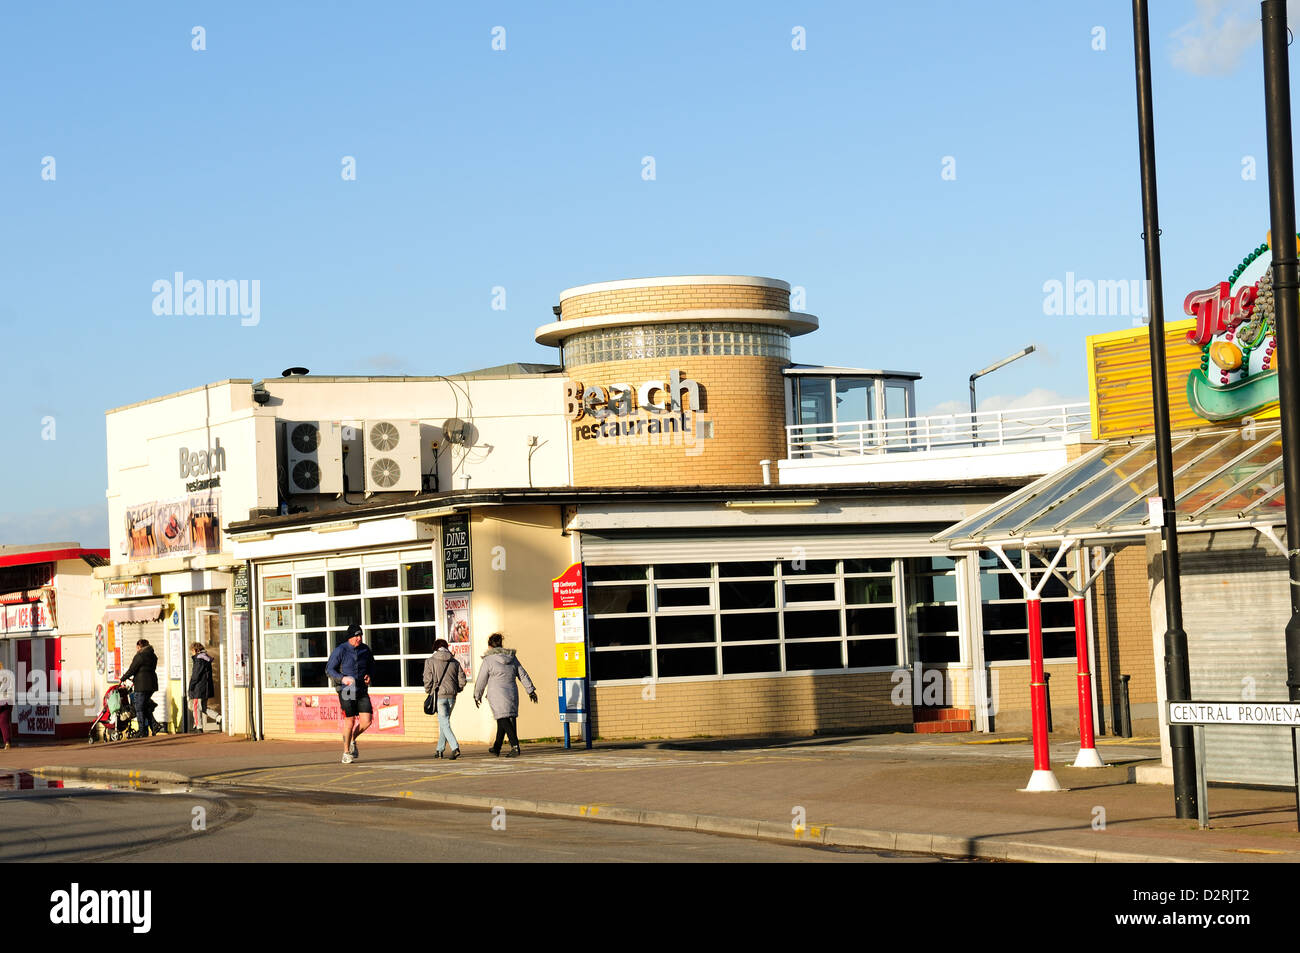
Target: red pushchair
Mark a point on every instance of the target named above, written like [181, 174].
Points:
[114, 721]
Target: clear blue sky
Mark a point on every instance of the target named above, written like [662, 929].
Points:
[522, 168]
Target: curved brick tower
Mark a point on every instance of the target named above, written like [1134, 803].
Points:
[675, 380]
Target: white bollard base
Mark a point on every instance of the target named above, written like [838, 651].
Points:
[1042, 781]
[1088, 758]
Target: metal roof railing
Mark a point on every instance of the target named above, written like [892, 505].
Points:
[987, 428]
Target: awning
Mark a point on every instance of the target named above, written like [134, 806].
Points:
[1223, 479]
[135, 612]
[22, 595]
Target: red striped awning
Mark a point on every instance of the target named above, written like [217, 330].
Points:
[135, 612]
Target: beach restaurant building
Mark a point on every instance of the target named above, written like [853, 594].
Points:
[755, 539]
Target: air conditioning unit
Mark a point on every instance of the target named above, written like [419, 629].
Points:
[314, 453]
[392, 456]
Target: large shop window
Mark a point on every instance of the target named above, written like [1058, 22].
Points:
[703, 620]
[932, 608]
[1006, 622]
[308, 605]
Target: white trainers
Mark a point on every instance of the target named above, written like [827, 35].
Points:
[347, 757]
[353, 750]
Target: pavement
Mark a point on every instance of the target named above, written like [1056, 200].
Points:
[951, 796]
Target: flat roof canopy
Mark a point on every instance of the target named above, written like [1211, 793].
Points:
[1223, 479]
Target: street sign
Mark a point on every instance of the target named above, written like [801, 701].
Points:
[570, 660]
[566, 588]
[1284, 714]
[571, 649]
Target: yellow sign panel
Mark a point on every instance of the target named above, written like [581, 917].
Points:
[570, 660]
[1119, 375]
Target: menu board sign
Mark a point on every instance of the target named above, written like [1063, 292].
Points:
[241, 587]
[456, 572]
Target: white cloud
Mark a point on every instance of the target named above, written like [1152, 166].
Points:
[1038, 397]
[385, 362]
[1215, 43]
[87, 525]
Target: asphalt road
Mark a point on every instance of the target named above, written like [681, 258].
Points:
[99, 824]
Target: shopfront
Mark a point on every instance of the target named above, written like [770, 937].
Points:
[705, 613]
[47, 638]
[408, 574]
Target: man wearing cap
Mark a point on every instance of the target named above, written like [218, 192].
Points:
[349, 667]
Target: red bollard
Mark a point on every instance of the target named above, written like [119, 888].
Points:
[1042, 779]
[1087, 757]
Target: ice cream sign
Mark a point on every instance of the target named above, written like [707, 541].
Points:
[1236, 330]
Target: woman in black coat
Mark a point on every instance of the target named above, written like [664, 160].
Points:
[143, 674]
[201, 685]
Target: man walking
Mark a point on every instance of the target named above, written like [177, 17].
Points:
[350, 666]
[143, 674]
[444, 679]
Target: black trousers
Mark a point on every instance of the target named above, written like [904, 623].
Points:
[506, 726]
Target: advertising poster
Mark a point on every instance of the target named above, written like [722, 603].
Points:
[455, 610]
[277, 617]
[175, 656]
[180, 527]
[242, 648]
[321, 713]
[101, 648]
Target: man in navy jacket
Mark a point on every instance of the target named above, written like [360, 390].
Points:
[349, 667]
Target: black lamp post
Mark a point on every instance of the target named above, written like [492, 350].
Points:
[1177, 673]
[1281, 207]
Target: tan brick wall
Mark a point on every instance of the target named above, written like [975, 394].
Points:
[744, 397]
[1009, 690]
[1122, 619]
[801, 705]
[673, 298]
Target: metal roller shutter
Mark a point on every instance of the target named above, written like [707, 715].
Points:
[1235, 608]
[613, 548]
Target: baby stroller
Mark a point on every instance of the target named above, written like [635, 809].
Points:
[114, 721]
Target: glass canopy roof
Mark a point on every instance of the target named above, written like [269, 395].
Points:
[1222, 478]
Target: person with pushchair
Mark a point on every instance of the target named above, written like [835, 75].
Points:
[143, 675]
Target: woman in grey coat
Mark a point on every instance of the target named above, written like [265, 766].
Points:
[496, 677]
[444, 679]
